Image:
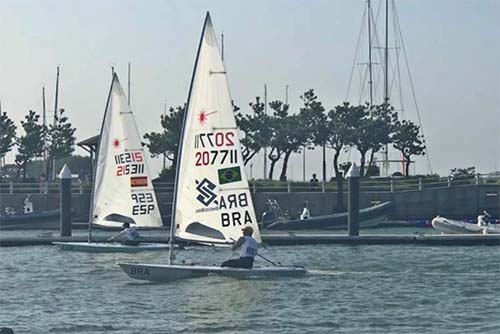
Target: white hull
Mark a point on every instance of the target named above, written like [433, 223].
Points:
[167, 273]
[104, 247]
[446, 225]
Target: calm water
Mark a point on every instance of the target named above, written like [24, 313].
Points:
[350, 289]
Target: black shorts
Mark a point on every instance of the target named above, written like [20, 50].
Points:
[128, 242]
[242, 262]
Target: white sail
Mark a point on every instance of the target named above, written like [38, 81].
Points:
[123, 191]
[213, 200]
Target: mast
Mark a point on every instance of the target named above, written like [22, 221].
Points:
[52, 161]
[44, 117]
[1, 157]
[386, 79]
[171, 240]
[128, 85]
[57, 96]
[370, 82]
[222, 45]
[265, 147]
[386, 53]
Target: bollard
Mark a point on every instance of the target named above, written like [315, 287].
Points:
[353, 201]
[420, 183]
[65, 200]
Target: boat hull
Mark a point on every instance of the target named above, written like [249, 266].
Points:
[368, 217]
[168, 273]
[450, 226]
[49, 219]
[105, 247]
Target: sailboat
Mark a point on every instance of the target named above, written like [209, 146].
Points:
[122, 191]
[212, 201]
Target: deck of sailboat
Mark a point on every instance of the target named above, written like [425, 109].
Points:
[108, 247]
[171, 272]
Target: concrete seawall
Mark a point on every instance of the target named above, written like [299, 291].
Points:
[454, 202]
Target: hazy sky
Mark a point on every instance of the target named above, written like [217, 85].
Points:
[453, 50]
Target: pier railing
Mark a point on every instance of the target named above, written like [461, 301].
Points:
[391, 184]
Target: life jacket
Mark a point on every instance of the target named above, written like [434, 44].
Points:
[249, 248]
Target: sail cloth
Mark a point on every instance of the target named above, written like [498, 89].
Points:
[123, 191]
[213, 199]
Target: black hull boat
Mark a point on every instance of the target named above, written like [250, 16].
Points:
[368, 217]
[43, 220]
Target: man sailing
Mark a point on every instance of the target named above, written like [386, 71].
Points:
[249, 247]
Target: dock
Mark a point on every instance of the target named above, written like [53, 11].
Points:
[288, 239]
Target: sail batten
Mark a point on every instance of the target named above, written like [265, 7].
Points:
[123, 189]
[213, 202]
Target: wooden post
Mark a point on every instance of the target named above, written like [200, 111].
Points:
[353, 201]
[65, 200]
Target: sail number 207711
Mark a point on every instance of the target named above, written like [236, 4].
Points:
[214, 139]
[215, 148]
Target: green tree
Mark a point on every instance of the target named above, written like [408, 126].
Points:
[373, 128]
[166, 143]
[30, 146]
[60, 140]
[256, 130]
[342, 122]
[315, 122]
[280, 112]
[408, 140]
[384, 119]
[7, 134]
[289, 135]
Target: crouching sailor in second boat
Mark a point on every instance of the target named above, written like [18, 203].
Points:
[129, 236]
[249, 248]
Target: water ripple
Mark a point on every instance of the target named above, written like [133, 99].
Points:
[369, 289]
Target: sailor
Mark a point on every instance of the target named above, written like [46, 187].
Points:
[248, 251]
[129, 236]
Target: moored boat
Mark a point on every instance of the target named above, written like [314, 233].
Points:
[42, 220]
[483, 226]
[368, 217]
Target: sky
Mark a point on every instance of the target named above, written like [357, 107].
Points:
[452, 48]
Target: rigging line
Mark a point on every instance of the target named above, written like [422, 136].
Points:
[412, 88]
[356, 54]
[398, 68]
[379, 74]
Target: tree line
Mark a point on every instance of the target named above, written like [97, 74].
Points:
[366, 128]
[57, 140]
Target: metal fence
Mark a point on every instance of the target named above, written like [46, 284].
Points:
[369, 184]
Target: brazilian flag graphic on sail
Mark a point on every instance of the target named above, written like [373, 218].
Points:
[229, 175]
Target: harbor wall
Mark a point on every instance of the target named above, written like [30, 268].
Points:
[456, 202]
